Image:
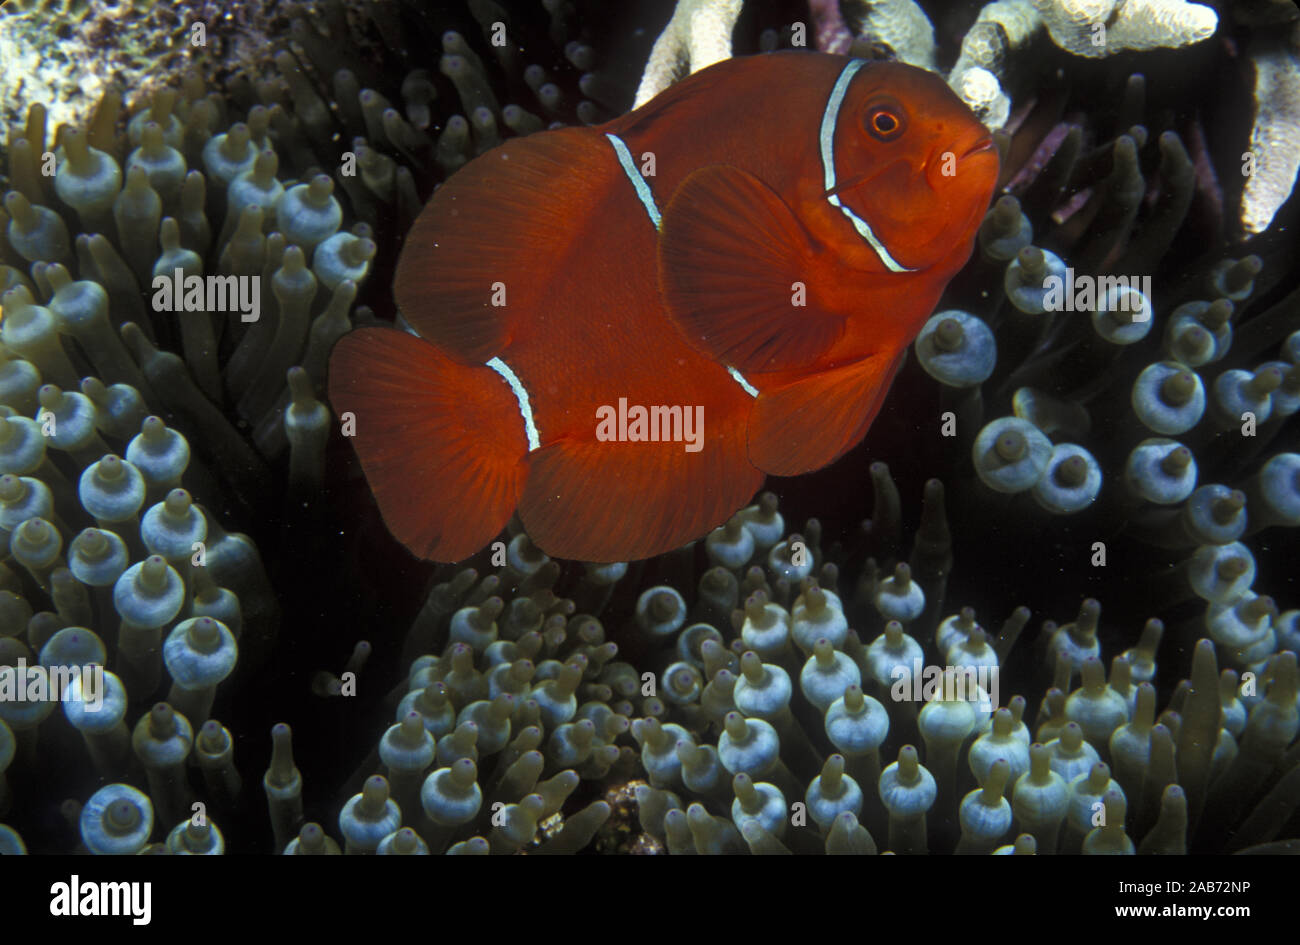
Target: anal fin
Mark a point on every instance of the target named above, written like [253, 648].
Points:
[616, 501]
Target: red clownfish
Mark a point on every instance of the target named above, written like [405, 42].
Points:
[623, 329]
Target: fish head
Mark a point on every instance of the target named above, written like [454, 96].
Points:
[913, 164]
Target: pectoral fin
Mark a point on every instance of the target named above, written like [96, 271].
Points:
[739, 274]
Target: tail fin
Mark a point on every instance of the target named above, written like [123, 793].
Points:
[442, 444]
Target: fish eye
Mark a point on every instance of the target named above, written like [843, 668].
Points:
[885, 122]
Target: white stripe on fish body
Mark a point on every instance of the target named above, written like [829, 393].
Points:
[521, 395]
[642, 189]
[826, 141]
[739, 378]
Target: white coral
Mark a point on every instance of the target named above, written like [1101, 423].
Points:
[1097, 28]
[698, 35]
[980, 90]
[901, 25]
[1000, 29]
[1275, 137]
[1091, 28]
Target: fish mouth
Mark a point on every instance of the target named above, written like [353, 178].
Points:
[984, 144]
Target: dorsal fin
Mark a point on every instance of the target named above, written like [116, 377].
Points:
[484, 250]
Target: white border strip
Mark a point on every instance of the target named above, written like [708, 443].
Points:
[521, 395]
